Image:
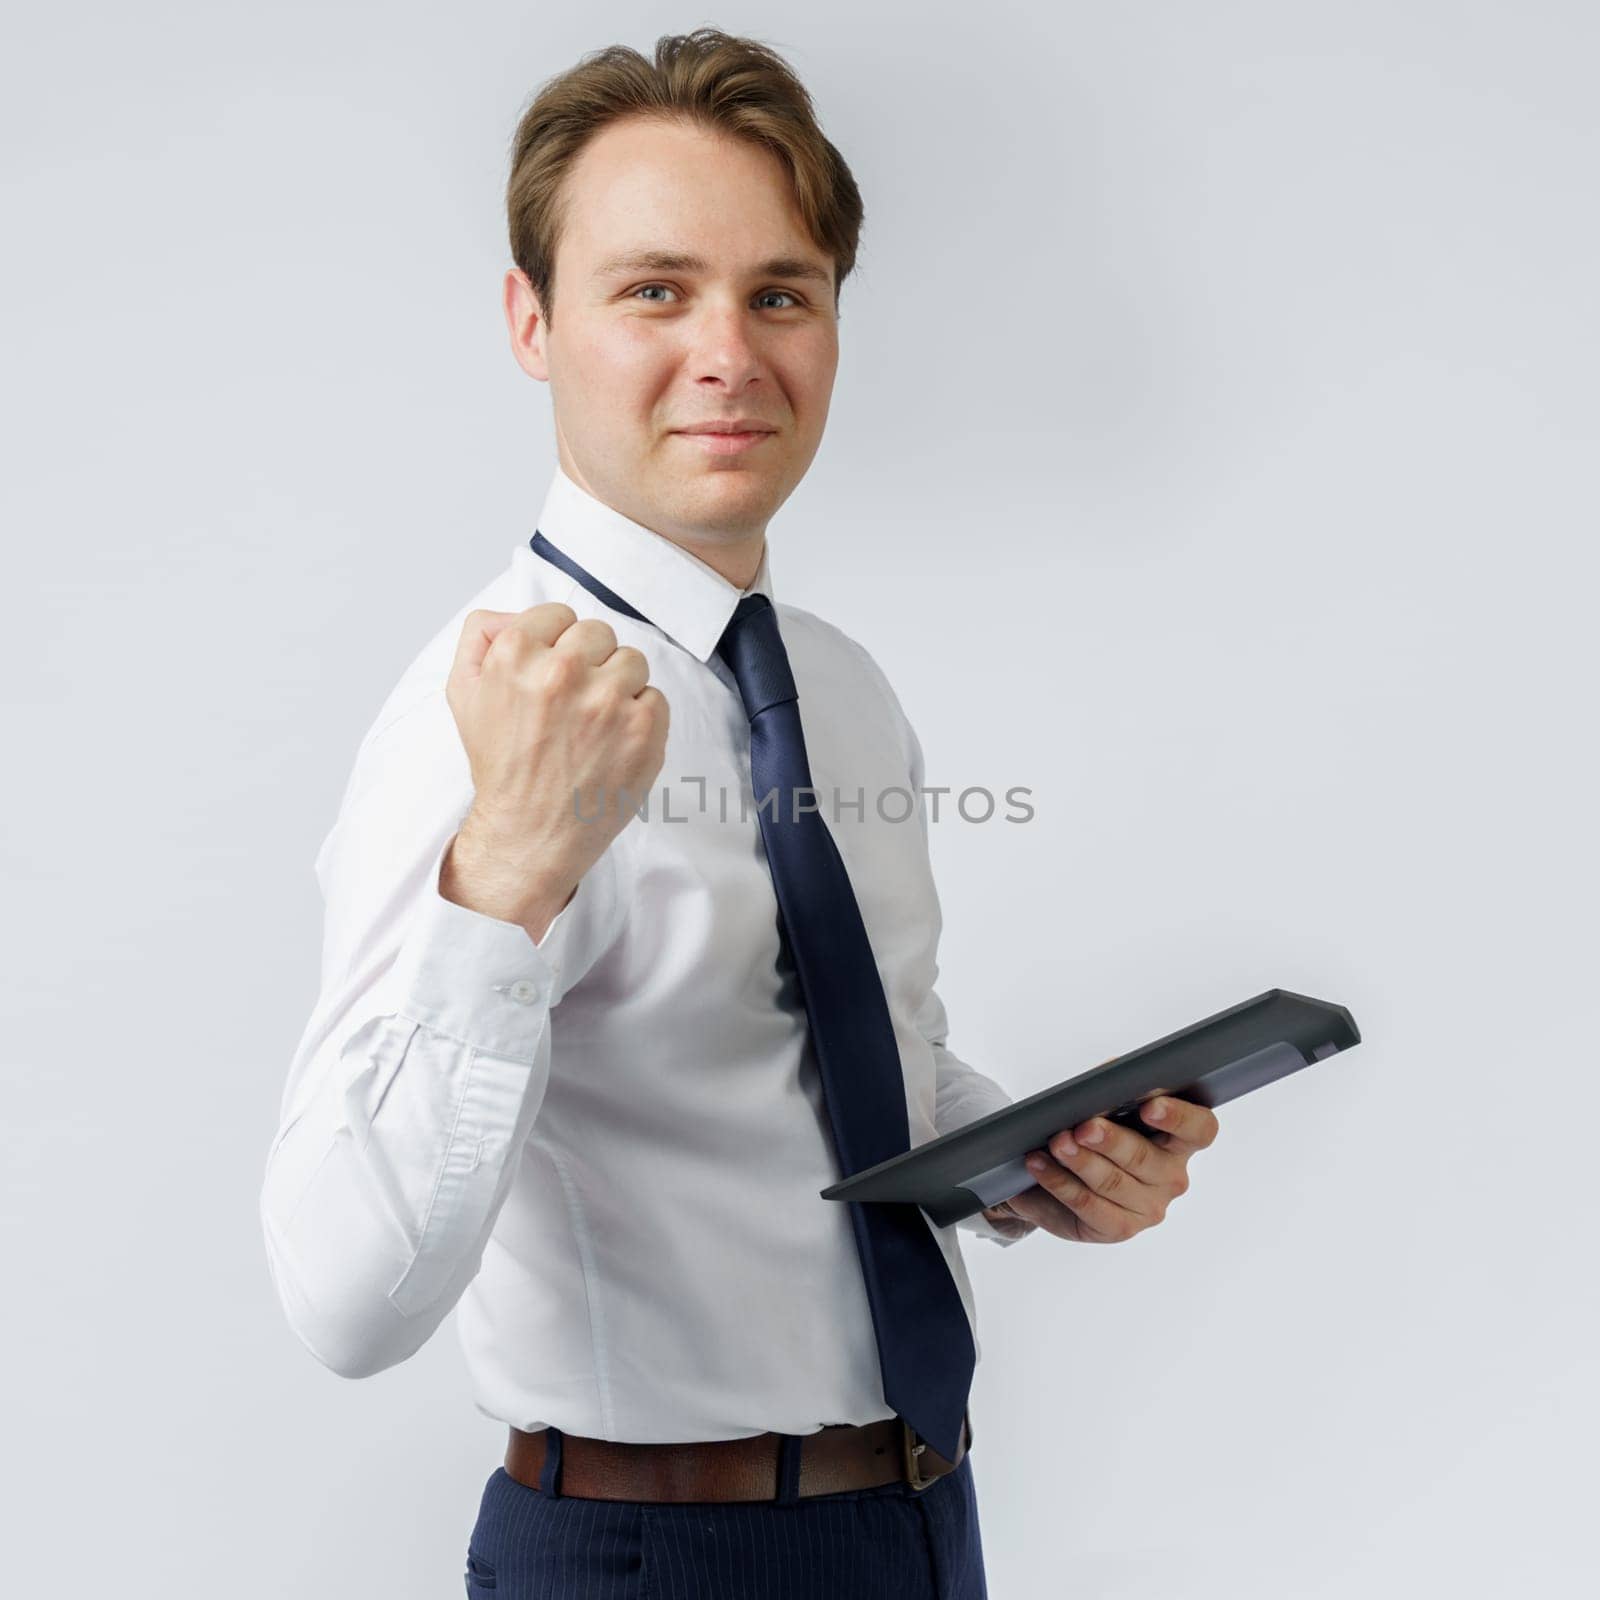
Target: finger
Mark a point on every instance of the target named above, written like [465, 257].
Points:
[1181, 1120]
[524, 635]
[629, 667]
[478, 632]
[1101, 1142]
[592, 638]
[1040, 1209]
[1007, 1219]
[1111, 1201]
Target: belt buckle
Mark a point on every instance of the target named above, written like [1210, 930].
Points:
[912, 1448]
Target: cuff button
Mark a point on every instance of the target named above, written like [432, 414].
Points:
[524, 991]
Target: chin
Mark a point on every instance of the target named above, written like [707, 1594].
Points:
[743, 482]
[735, 502]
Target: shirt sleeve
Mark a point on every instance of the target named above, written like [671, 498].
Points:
[962, 1094]
[423, 1066]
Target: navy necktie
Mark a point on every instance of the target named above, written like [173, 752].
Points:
[925, 1347]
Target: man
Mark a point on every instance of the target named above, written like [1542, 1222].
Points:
[581, 1066]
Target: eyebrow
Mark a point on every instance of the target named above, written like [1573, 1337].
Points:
[679, 261]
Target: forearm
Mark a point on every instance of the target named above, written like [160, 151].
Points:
[409, 1096]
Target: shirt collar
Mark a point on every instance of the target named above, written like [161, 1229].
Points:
[687, 600]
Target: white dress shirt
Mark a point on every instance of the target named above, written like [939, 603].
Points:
[606, 1148]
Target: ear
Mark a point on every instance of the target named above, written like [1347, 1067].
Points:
[525, 324]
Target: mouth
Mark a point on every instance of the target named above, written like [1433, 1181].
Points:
[726, 444]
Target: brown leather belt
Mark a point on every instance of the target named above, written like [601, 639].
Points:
[840, 1456]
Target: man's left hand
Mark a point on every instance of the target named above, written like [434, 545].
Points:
[1101, 1183]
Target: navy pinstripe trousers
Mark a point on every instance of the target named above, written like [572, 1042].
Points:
[884, 1543]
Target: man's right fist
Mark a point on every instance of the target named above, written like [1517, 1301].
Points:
[556, 718]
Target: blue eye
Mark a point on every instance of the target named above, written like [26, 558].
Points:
[764, 293]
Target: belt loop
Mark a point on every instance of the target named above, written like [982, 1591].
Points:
[550, 1471]
[789, 1447]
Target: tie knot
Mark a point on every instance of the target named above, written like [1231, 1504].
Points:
[753, 649]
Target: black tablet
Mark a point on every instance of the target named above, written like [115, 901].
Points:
[1210, 1061]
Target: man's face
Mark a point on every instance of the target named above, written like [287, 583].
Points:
[640, 352]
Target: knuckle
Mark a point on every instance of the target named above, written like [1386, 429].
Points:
[594, 713]
[595, 628]
[656, 708]
[562, 670]
[511, 647]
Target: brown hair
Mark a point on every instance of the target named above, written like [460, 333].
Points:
[707, 78]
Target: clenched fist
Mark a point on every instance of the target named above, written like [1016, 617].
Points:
[555, 718]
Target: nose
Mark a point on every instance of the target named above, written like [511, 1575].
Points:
[722, 347]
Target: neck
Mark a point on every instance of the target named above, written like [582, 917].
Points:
[738, 563]
[738, 559]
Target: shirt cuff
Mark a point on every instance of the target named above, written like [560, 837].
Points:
[479, 979]
[985, 1229]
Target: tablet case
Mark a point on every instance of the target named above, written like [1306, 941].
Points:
[1211, 1061]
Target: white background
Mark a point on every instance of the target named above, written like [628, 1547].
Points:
[1251, 351]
